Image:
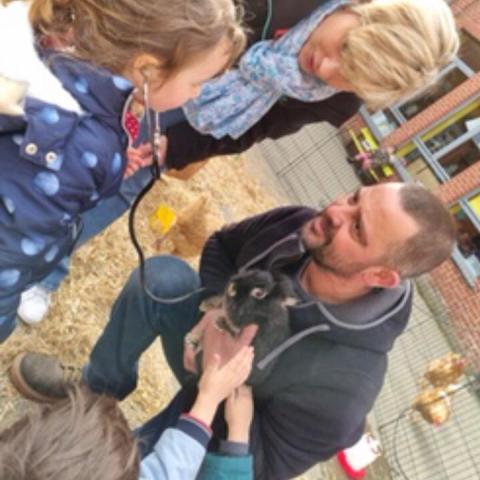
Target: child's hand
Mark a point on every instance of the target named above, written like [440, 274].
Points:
[139, 157]
[239, 414]
[218, 382]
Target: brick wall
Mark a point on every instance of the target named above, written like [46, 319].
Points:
[461, 301]
[467, 13]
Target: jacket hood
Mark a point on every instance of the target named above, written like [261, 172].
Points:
[371, 322]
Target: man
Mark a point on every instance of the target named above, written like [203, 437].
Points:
[350, 266]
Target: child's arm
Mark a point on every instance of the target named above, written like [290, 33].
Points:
[233, 460]
[179, 452]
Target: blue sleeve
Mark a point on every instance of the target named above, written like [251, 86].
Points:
[220, 467]
[178, 454]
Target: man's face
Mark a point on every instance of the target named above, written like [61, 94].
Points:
[357, 230]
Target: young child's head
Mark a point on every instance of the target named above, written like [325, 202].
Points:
[175, 45]
[383, 50]
[84, 437]
[399, 48]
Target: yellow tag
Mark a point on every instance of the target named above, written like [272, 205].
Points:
[162, 219]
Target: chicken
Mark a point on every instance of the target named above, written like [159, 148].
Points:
[445, 370]
[433, 405]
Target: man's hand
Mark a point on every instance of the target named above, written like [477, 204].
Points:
[193, 340]
[213, 341]
[218, 342]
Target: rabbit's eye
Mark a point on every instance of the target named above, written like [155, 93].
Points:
[258, 293]
[231, 290]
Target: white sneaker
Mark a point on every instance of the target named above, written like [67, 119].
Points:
[34, 305]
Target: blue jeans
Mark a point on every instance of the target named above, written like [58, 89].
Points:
[136, 321]
[108, 210]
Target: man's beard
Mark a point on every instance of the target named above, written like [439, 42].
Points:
[331, 262]
[323, 255]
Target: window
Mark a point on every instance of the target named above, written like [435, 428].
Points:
[468, 237]
[458, 124]
[451, 79]
[470, 50]
[384, 121]
[417, 166]
[460, 158]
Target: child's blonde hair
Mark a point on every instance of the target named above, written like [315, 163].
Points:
[398, 49]
[84, 437]
[110, 33]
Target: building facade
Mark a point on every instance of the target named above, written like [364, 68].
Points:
[436, 137]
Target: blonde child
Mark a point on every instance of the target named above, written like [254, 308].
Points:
[86, 436]
[61, 140]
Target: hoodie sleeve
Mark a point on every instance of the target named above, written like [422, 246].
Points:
[179, 452]
[186, 145]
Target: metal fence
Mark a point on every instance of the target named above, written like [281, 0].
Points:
[311, 168]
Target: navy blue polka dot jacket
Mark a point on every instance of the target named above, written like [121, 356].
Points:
[55, 164]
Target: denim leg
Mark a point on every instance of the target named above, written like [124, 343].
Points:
[136, 321]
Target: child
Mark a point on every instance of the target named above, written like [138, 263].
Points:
[61, 141]
[381, 50]
[86, 437]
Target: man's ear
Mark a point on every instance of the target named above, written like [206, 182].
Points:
[381, 277]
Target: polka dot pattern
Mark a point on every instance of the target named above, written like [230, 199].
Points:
[47, 183]
[116, 163]
[9, 205]
[32, 246]
[51, 254]
[121, 83]
[18, 139]
[9, 277]
[89, 159]
[81, 85]
[49, 115]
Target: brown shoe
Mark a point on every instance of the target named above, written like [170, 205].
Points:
[43, 378]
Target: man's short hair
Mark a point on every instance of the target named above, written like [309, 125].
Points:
[84, 437]
[434, 241]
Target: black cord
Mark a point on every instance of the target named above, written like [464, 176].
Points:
[156, 171]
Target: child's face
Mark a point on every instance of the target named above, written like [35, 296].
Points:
[320, 54]
[184, 85]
